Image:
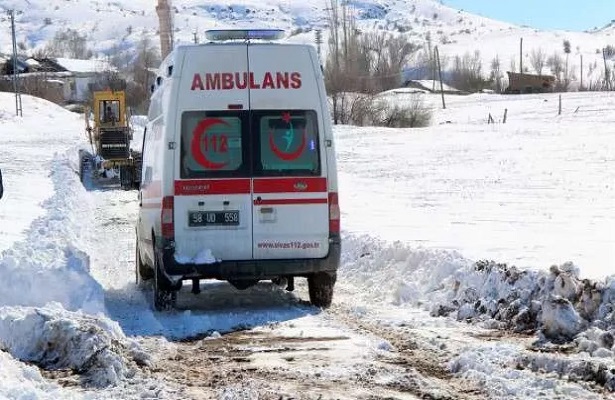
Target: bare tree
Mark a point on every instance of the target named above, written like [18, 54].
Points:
[146, 60]
[69, 43]
[567, 51]
[496, 74]
[556, 64]
[364, 63]
[337, 64]
[467, 73]
[538, 59]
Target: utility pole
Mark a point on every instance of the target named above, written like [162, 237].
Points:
[607, 73]
[440, 75]
[581, 72]
[319, 42]
[18, 107]
[521, 56]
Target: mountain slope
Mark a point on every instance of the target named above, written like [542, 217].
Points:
[121, 23]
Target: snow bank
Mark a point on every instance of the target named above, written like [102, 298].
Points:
[556, 305]
[48, 265]
[53, 338]
[21, 381]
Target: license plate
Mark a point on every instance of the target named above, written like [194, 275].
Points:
[215, 218]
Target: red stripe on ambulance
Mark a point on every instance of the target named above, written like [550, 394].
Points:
[192, 187]
[286, 202]
[290, 185]
[242, 80]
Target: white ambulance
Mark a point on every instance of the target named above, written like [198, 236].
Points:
[239, 178]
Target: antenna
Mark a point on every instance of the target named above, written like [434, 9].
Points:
[290, 19]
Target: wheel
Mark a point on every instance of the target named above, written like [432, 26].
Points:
[142, 271]
[165, 295]
[84, 164]
[81, 169]
[126, 177]
[137, 169]
[320, 286]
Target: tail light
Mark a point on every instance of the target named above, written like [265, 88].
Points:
[166, 217]
[334, 214]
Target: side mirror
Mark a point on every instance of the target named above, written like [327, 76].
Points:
[1, 187]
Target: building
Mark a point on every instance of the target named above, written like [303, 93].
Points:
[519, 83]
[66, 80]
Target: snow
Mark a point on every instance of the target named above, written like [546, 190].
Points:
[54, 338]
[484, 226]
[533, 192]
[85, 66]
[205, 256]
[120, 25]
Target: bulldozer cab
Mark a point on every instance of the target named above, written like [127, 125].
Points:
[109, 109]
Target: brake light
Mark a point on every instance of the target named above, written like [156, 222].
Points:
[334, 214]
[166, 217]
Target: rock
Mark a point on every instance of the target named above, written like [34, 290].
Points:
[560, 322]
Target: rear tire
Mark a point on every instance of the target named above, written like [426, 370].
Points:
[142, 271]
[320, 287]
[126, 177]
[165, 295]
[84, 164]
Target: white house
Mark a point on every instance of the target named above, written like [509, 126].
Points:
[83, 73]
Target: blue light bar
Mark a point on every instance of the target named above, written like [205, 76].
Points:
[244, 34]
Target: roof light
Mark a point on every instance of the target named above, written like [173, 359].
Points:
[244, 34]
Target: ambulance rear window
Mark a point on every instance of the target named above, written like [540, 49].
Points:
[288, 142]
[212, 145]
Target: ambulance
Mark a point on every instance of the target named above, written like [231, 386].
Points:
[239, 178]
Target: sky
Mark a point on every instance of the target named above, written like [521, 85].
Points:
[573, 15]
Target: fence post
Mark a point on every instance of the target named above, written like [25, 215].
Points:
[559, 112]
[505, 115]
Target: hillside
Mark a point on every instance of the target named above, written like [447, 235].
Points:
[120, 24]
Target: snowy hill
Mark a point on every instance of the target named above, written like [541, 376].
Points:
[120, 24]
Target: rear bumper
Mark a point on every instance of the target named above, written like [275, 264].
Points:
[252, 269]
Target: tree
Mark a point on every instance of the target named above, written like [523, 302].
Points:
[467, 73]
[567, 51]
[360, 63]
[69, 43]
[538, 59]
[556, 64]
[146, 60]
[496, 74]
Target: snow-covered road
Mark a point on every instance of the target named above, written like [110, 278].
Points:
[419, 207]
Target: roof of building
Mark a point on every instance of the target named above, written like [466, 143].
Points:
[85, 66]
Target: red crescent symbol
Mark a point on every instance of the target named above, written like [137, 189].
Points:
[288, 156]
[195, 145]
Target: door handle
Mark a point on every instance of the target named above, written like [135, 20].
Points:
[266, 210]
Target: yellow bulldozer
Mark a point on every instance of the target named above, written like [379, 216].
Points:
[108, 130]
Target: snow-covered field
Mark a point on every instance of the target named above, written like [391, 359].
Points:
[420, 208]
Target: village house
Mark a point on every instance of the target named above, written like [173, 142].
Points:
[62, 80]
